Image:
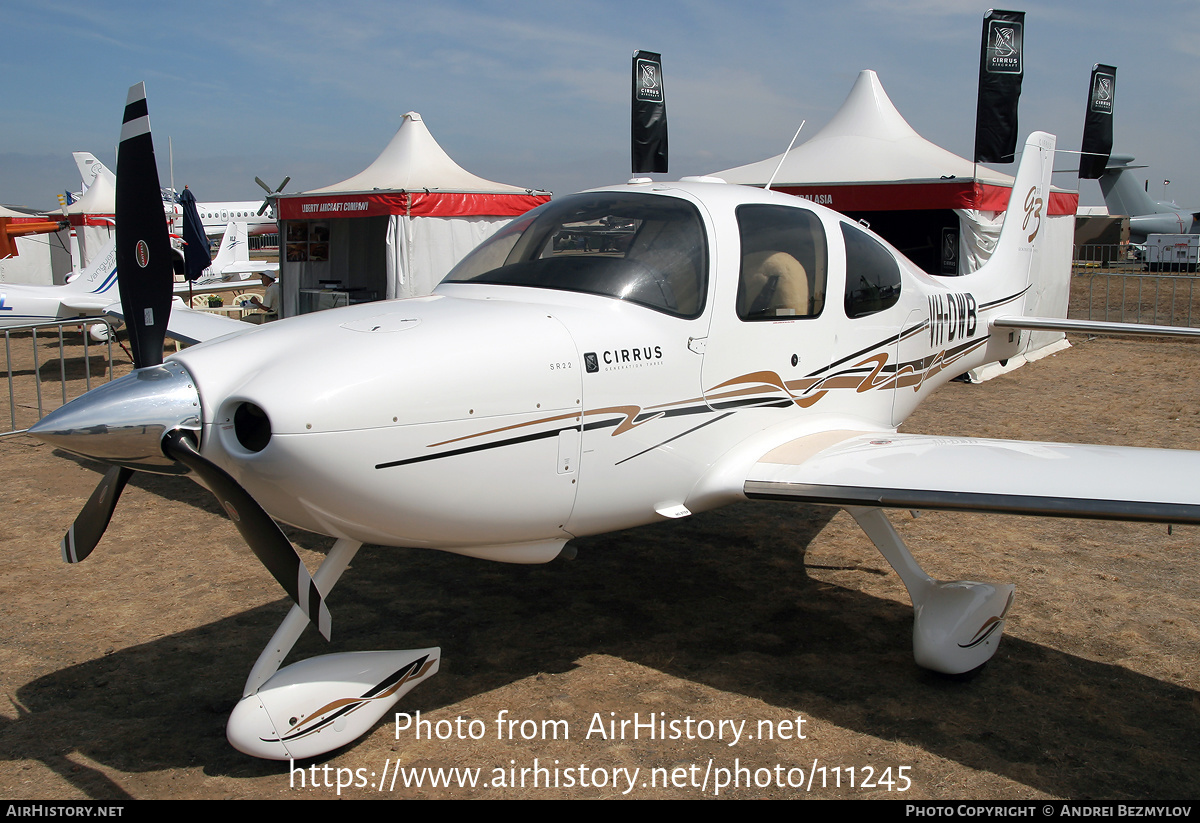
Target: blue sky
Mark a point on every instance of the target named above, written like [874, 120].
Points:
[536, 93]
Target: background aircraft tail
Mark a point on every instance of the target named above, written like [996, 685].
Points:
[233, 258]
[90, 168]
[100, 276]
[1123, 193]
[234, 247]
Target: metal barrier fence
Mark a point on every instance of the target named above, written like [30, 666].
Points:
[1121, 287]
[260, 242]
[26, 375]
[1108, 257]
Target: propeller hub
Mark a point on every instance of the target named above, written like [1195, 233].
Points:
[124, 422]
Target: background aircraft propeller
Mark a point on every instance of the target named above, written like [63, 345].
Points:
[269, 200]
[146, 279]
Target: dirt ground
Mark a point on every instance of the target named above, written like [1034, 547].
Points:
[118, 674]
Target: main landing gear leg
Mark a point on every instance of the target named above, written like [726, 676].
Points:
[956, 624]
[319, 704]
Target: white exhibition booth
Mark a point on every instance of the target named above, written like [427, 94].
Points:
[93, 216]
[393, 230]
[941, 210]
[31, 264]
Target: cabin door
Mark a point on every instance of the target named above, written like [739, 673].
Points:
[768, 344]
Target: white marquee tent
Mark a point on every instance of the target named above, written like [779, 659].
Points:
[93, 215]
[869, 163]
[30, 265]
[392, 230]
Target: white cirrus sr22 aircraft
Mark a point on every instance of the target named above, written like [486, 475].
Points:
[613, 358]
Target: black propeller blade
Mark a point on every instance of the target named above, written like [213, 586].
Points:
[143, 246]
[93, 518]
[259, 531]
[146, 279]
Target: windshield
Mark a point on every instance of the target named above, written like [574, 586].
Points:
[647, 249]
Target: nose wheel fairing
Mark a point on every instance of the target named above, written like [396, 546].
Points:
[322, 703]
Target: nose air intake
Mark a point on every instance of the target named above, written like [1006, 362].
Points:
[252, 427]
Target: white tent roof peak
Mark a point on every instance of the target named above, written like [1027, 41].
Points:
[868, 110]
[100, 198]
[414, 161]
[867, 140]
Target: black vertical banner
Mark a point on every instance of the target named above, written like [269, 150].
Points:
[649, 120]
[1001, 68]
[1097, 122]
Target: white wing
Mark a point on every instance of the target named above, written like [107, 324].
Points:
[249, 267]
[913, 471]
[87, 303]
[189, 326]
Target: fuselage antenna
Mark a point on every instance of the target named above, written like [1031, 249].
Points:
[784, 155]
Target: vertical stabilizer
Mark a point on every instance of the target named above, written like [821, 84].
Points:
[234, 247]
[90, 168]
[1123, 194]
[99, 276]
[1025, 220]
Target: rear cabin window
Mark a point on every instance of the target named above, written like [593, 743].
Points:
[872, 275]
[646, 249]
[783, 263]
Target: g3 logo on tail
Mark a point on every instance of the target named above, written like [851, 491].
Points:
[1033, 209]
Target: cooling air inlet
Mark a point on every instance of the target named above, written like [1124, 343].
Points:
[252, 427]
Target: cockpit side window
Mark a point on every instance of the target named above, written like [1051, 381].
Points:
[872, 275]
[784, 263]
[646, 249]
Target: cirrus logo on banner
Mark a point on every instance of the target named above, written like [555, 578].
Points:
[1004, 47]
[649, 81]
[1102, 93]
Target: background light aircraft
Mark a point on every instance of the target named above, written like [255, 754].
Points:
[215, 215]
[96, 291]
[88, 294]
[232, 262]
[1123, 194]
[614, 358]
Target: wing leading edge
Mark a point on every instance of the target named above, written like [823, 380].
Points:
[913, 471]
[190, 326]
